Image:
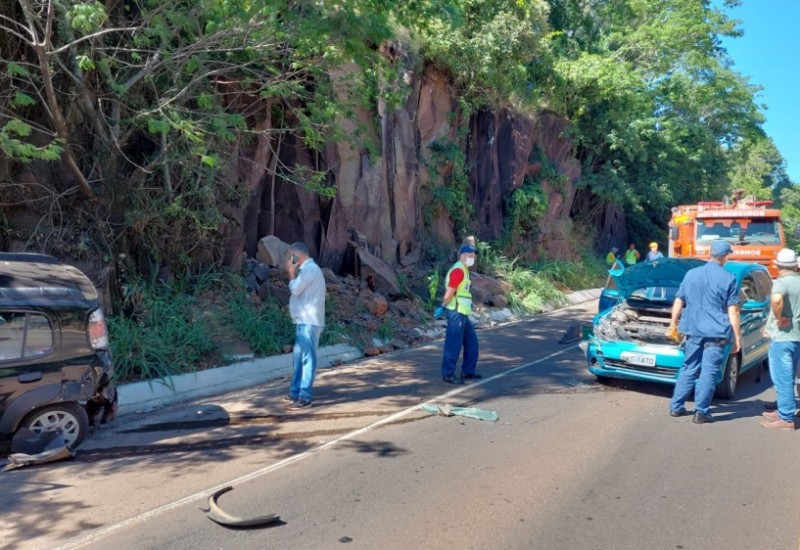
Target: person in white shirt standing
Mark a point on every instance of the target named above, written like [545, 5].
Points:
[307, 308]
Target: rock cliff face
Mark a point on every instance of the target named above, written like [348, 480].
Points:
[381, 189]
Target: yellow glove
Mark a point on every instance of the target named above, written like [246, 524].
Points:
[673, 334]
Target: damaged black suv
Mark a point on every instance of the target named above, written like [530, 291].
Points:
[55, 365]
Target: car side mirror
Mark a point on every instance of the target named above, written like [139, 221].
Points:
[753, 305]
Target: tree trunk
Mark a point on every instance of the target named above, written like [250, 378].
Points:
[41, 46]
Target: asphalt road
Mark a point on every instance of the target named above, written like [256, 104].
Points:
[570, 464]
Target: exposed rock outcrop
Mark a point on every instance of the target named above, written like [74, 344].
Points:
[380, 191]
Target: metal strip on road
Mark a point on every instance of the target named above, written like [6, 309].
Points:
[100, 533]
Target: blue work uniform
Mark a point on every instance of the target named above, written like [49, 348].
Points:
[706, 292]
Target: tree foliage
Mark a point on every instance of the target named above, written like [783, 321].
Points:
[149, 105]
[654, 102]
[486, 45]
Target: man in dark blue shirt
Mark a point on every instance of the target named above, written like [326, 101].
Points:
[710, 320]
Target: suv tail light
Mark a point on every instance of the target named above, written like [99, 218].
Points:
[96, 331]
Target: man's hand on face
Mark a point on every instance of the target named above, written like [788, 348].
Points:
[289, 265]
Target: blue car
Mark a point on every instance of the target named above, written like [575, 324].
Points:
[629, 339]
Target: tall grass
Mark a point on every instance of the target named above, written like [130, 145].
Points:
[538, 286]
[264, 327]
[161, 335]
[590, 272]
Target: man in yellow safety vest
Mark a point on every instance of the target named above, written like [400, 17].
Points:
[611, 257]
[457, 305]
[631, 255]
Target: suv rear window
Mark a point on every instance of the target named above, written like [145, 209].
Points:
[24, 335]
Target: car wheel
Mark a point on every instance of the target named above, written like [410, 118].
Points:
[70, 418]
[726, 389]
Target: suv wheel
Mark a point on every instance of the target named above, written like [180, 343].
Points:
[68, 417]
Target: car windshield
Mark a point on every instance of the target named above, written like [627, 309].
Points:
[742, 231]
[665, 294]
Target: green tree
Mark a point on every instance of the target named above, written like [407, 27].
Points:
[148, 105]
[758, 168]
[485, 45]
[653, 102]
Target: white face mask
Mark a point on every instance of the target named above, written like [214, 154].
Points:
[469, 262]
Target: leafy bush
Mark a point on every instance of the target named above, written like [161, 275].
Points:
[526, 206]
[448, 161]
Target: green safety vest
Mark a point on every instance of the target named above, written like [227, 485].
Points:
[462, 303]
[630, 257]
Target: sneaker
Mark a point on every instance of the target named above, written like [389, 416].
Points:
[288, 399]
[473, 376]
[452, 380]
[771, 415]
[702, 418]
[779, 425]
[299, 404]
[678, 413]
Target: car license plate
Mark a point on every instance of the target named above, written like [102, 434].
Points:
[641, 359]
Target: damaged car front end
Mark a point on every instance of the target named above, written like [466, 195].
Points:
[629, 339]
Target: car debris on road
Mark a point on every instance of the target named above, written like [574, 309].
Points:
[220, 516]
[469, 412]
[29, 448]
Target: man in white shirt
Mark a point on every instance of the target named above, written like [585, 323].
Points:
[307, 308]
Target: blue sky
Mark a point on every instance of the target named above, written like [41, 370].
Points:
[769, 53]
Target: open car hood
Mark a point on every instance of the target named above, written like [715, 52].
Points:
[665, 272]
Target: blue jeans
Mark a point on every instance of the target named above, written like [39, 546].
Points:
[701, 357]
[783, 357]
[460, 334]
[304, 361]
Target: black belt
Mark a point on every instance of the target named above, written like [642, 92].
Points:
[716, 342]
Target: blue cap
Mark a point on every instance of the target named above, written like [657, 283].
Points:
[720, 249]
[466, 249]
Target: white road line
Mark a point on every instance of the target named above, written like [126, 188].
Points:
[96, 535]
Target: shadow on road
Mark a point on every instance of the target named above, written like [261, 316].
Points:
[193, 438]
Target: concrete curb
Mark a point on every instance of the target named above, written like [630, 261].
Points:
[580, 296]
[146, 396]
